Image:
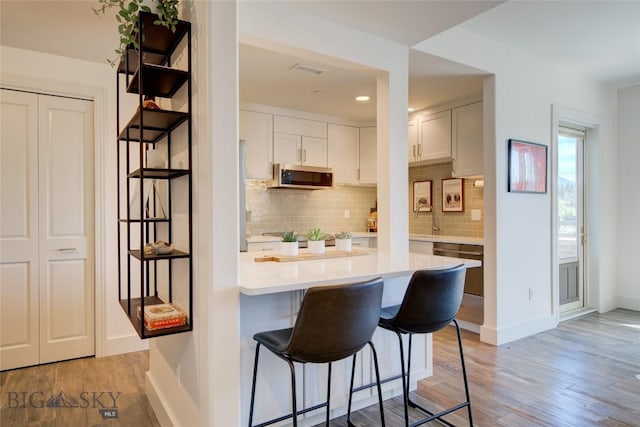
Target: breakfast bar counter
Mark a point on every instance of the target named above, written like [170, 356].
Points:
[260, 278]
[270, 297]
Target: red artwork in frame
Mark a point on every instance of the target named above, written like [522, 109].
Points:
[527, 167]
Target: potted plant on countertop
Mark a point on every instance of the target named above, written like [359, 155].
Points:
[343, 241]
[289, 243]
[315, 240]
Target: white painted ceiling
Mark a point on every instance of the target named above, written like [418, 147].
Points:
[599, 38]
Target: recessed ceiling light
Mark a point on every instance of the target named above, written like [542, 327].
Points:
[362, 98]
[411, 109]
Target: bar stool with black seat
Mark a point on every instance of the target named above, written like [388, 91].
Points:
[333, 323]
[430, 303]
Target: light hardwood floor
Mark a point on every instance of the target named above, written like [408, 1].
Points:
[89, 386]
[582, 373]
[585, 372]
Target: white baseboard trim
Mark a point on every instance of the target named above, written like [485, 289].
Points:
[510, 333]
[469, 326]
[155, 399]
[628, 303]
[123, 344]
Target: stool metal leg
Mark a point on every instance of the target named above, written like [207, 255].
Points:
[328, 393]
[438, 415]
[353, 371]
[294, 409]
[405, 386]
[464, 373]
[409, 401]
[253, 384]
[375, 363]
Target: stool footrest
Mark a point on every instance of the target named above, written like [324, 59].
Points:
[385, 380]
[284, 417]
[438, 415]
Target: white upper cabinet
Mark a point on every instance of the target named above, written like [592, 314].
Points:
[302, 127]
[344, 158]
[467, 132]
[257, 131]
[299, 141]
[299, 150]
[314, 151]
[368, 155]
[434, 136]
[413, 140]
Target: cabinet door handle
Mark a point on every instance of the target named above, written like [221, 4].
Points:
[304, 155]
[299, 155]
[358, 174]
[414, 150]
[419, 150]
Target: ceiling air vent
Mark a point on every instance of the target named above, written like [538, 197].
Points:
[307, 69]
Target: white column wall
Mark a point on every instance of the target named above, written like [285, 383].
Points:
[518, 253]
[194, 379]
[628, 268]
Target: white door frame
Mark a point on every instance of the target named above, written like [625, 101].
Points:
[578, 134]
[568, 116]
[99, 96]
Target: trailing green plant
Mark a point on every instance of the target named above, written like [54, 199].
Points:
[290, 236]
[344, 235]
[316, 234]
[128, 15]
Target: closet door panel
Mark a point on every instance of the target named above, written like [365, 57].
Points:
[18, 229]
[66, 228]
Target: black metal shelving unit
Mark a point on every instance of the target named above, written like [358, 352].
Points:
[145, 278]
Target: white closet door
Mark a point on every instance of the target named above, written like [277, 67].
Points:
[18, 229]
[66, 228]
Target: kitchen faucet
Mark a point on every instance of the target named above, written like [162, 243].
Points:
[423, 203]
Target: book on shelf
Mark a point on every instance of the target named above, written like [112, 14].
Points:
[158, 316]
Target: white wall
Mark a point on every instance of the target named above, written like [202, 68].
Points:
[628, 233]
[52, 74]
[518, 233]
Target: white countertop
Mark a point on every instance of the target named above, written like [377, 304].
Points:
[260, 278]
[447, 239]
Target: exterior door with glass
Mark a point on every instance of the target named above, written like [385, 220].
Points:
[571, 232]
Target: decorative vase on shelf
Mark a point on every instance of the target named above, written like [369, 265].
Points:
[155, 159]
[316, 246]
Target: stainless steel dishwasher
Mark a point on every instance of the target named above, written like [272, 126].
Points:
[473, 283]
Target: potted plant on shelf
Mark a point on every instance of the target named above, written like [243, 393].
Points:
[127, 17]
[289, 243]
[343, 241]
[315, 240]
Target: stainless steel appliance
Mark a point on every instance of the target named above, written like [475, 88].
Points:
[301, 177]
[473, 283]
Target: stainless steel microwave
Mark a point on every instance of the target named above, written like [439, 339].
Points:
[301, 177]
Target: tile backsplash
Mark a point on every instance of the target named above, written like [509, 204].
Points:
[271, 210]
[451, 223]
